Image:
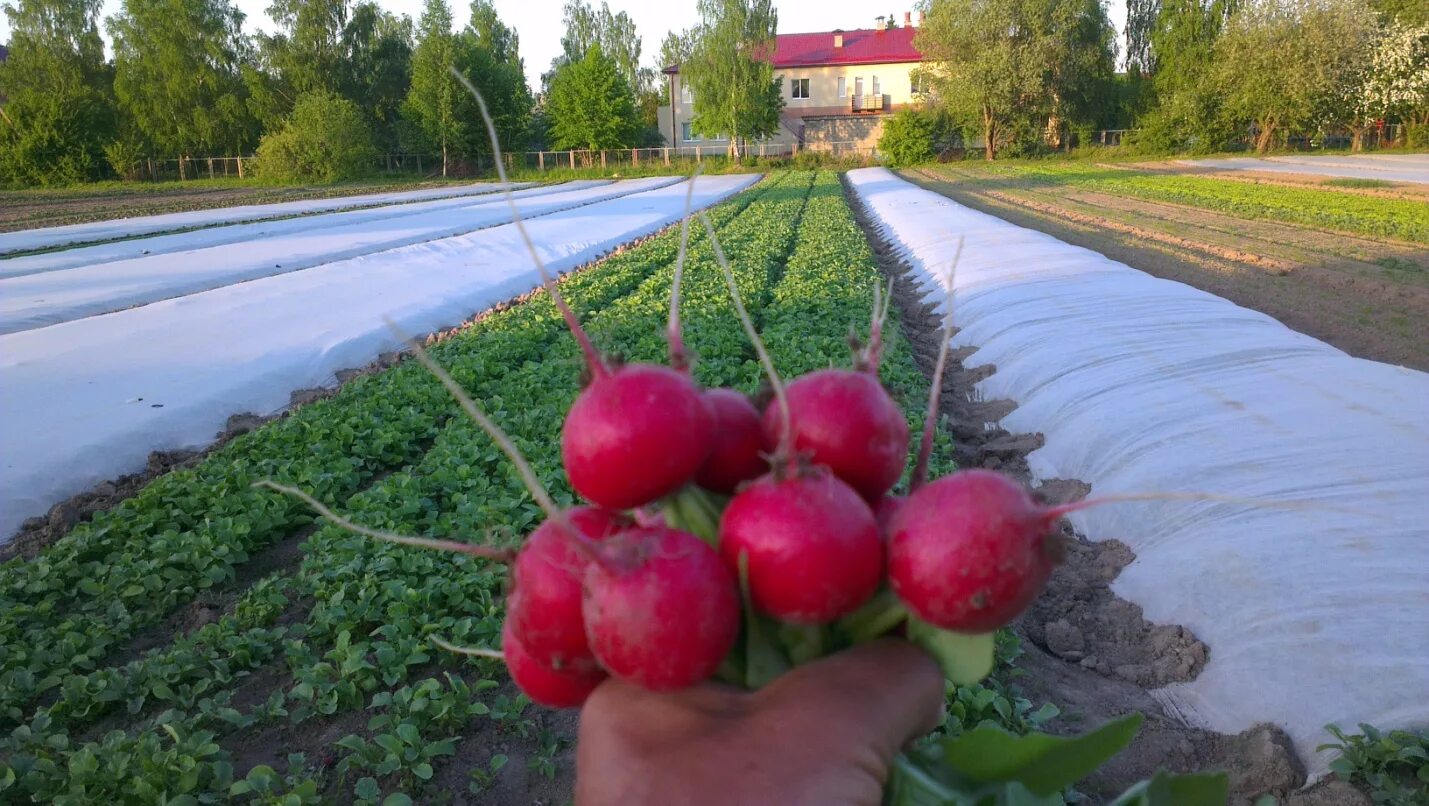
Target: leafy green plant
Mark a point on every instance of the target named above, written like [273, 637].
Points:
[907, 138]
[481, 778]
[325, 139]
[1393, 764]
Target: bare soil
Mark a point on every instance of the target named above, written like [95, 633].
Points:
[29, 209]
[1366, 296]
[1089, 652]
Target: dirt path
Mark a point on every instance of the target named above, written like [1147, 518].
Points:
[31, 209]
[1367, 297]
[1088, 651]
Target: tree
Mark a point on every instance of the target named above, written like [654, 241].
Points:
[585, 26]
[1188, 111]
[378, 52]
[308, 53]
[730, 72]
[1284, 64]
[986, 60]
[1405, 12]
[676, 48]
[1396, 83]
[1140, 23]
[590, 105]
[177, 75]
[58, 110]
[1079, 67]
[435, 101]
[907, 138]
[488, 56]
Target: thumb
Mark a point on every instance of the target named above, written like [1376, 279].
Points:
[887, 692]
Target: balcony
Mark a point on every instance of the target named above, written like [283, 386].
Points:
[869, 103]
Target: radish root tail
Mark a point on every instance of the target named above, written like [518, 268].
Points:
[473, 651]
[500, 555]
[679, 357]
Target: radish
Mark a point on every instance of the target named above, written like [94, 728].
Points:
[635, 434]
[739, 445]
[545, 608]
[811, 545]
[664, 613]
[970, 551]
[567, 687]
[846, 421]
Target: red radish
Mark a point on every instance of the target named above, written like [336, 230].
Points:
[555, 688]
[664, 613]
[885, 509]
[848, 423]
[812, 546]
[546, 608]
[970, 551]
[739, 443]
[637, 433]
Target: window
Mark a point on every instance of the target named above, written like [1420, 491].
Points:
[686, 134]
[686, 97]
[800, 87]
[858, 86]
[843, 87]
[875, 86]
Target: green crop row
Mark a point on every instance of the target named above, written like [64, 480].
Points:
[189, 531]
[1331, 209]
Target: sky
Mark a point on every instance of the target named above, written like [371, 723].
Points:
[538, 22]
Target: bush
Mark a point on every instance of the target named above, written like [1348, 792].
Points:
[325, 139]
[907, 138]
[123, 156]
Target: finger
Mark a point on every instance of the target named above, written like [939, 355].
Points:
[888, 691]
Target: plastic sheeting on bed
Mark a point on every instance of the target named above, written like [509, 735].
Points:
[88, 400]
[51, 237]
[1313, 615]
[51, 297]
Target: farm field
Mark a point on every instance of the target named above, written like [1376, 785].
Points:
[203, 633]
[53, 207]
[1374, 167]
[183, 635]
[1345, 265]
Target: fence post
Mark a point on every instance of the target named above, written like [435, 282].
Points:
[240, 166]
[419, 163]
[635, 158]
[699, 154]
[602, 159]
[541, 159]
[572, 152]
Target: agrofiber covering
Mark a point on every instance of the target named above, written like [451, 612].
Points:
[1313, 614]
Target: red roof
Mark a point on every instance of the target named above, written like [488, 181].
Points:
[864, 46]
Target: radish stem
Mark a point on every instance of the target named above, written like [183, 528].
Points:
[500, 555]
[785, 451]
[930, 419]
[679, 358]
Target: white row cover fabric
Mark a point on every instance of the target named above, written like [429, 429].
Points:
[160, 244]
[38, 300]
[88, 400]
[50, 237]
[1389, 168]
[1313, 614]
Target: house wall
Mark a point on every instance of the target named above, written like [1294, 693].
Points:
[894, 82]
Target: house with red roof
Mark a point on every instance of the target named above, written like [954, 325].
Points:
[838, 87]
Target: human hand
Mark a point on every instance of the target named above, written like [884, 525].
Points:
[823, 733]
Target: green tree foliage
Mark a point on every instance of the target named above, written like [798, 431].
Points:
[729, 72]
[436, 101]
[907, 138]
[1140, 23]
[326, 139]
[1405, 12]
[488, 55]
[1013, 70]
[590, 105]
[586, 26]
[1284, 64]
[676, 47]
[378, 48]
[1187, 114]
[308, 52]
[177, 76]
[58, 112]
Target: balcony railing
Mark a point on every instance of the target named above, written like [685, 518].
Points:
[869, 103]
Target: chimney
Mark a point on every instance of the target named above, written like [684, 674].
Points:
[838, 40]
[879, 27]
[920, 19]
[907, 19]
